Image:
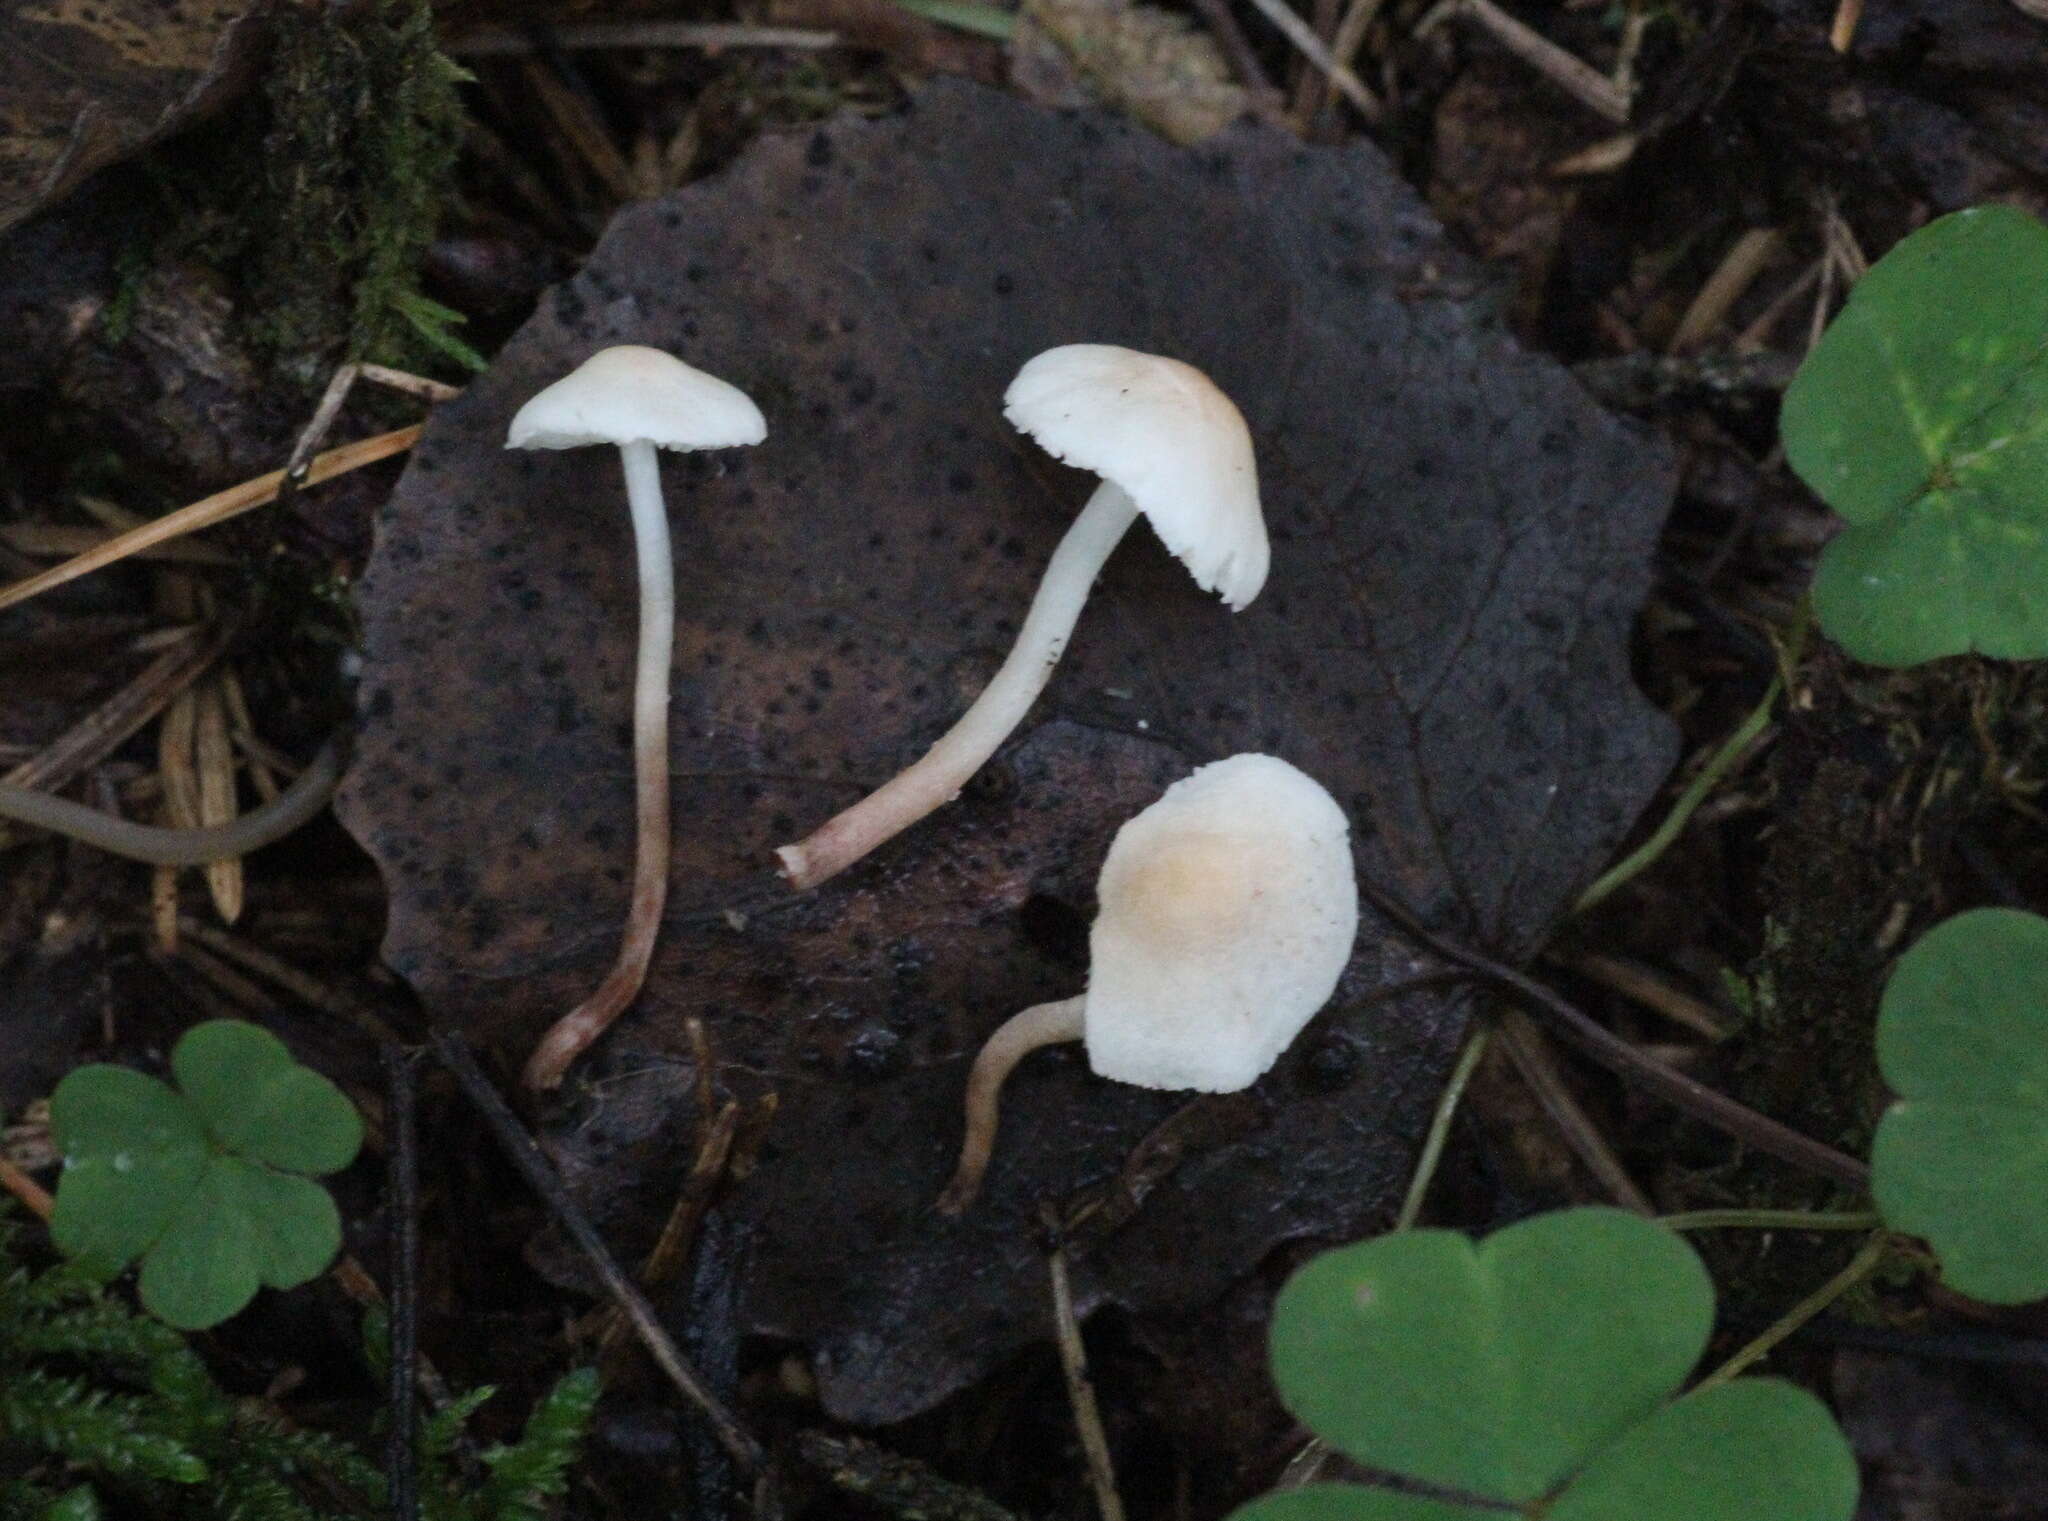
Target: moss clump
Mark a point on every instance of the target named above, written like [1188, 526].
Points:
[102, 1408]
[364, 126]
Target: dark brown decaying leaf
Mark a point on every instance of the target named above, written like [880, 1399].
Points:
[1460, 541]
[89, 81]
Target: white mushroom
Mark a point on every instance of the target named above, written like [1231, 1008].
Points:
[640, 399]
[1227, 913]
[1166, 443]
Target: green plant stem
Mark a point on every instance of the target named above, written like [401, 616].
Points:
[1440, 1125]
[982, 20]
[1709, 777]
[1860, 1267]
[1771, 1220]
[1718, 765]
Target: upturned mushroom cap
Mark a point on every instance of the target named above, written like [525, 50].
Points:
[1228, 909]
[632, 394]
[1162, 431]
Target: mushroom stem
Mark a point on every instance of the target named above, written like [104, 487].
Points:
[573, 1033]
[936, 778]
[295, 806]
[1043, 1024]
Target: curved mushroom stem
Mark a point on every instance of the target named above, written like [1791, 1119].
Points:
[1043, 1024]
[573, 1032]
[936, 778]
[295, 806]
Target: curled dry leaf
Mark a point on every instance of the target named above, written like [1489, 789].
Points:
[1155, 64]
[91, 81]
[1460, 540]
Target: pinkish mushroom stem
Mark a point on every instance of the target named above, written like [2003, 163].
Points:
[570, 1035]
[936, 779]
[1043, 1024]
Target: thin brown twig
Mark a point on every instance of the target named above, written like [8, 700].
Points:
[1842, 32]
[356, 1284]
[1645, 987]
[1757, 334]
[1625, 1061]
[1350, 37]
[282, 974]
[213, 757]
[678, 1239]
[34, 1197]
[402, 1183]
[1238, 52]
[580, 129]
[262, 775]
[218, 508]
[97, 735]
[1737, 271]
[712, 36]
[55, 541]
[1311, 86]
[1080, 1391]
[1569, 72]
[1536, 1064]
[540, 1175]
[1313, 48]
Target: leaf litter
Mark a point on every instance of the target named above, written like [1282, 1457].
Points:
[1461, 540]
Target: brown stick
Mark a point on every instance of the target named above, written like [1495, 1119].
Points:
[540, 1174]
[1109, 1503]
[96, 736]
[1626, 1062]
[27, 1190]
[208, 511]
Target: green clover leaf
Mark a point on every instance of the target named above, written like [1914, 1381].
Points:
[1962, 1157]
[203, 1185]
[1922, 418]
[1535, 1370]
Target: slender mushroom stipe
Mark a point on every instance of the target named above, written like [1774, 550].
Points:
[1228, 912]
[640, 399]
[1043, 1024]
[1167, 443]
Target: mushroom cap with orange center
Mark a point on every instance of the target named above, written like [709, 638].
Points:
[1228, 911]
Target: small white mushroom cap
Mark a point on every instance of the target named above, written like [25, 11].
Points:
[635, 394]
[1228, 910]
[1162, 431]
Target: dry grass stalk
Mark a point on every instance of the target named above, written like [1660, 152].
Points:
[1641, 985]
[93, 738]
[1529, 1049]
[1734, 275]
[711, 36]
[208, 511]
[255, 754]
[213, 755]
[1312, 47]
[48, 541]
[1569, 72]
[1081, 1391]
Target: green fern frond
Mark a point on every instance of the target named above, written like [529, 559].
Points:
[536, 1467]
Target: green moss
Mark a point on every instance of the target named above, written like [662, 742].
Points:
[364, 126]
[100, 1403]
